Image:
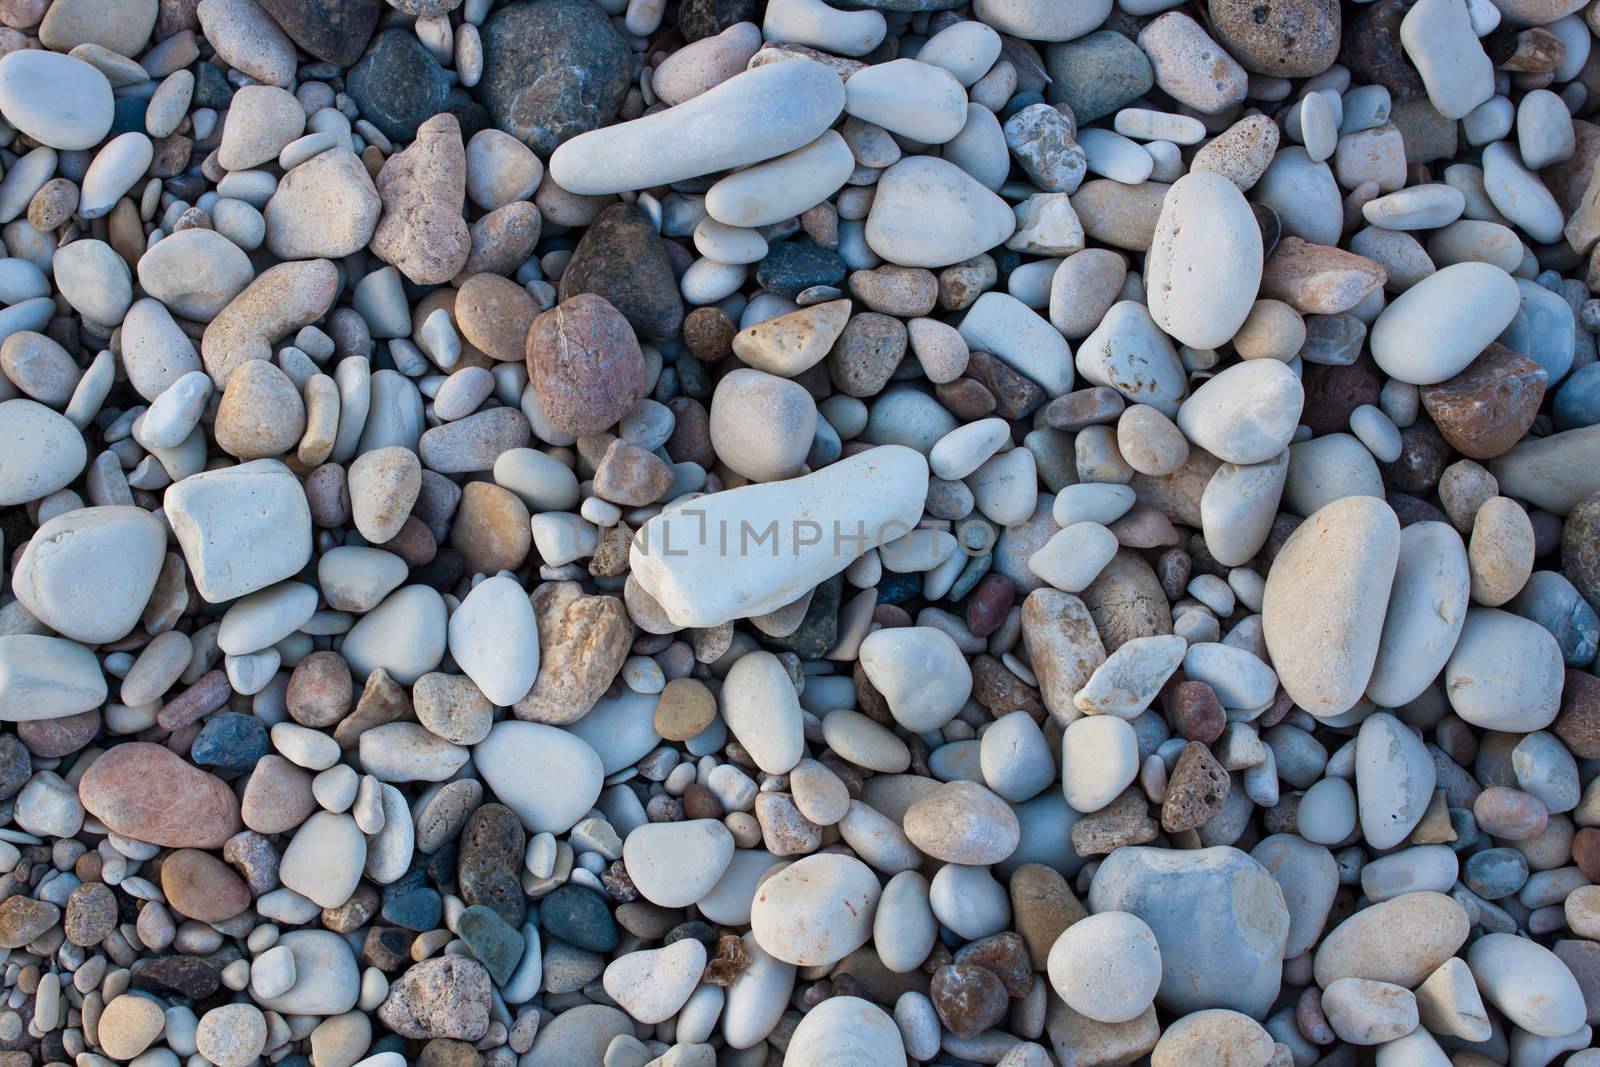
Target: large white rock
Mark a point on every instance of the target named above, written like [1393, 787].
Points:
[1322, 612]
[930, 213]
[1505, 673]
[327, 980]
[921, 673]
[1246, 414]
[1439, 37]
[652, 984]
[1427, 608]
[817, 910]
[56, 99]
[845, 1032]
[1099, 759]
[915, 100]
[751, 550]
[324, 860]
[242, 528]
[1478, 299]
[1394, 780]
[761, 707]
[753, 116]
[405, 635]
[1204, 265]
[87, 574]
[1004, 326]
[547, 776]
[47, 678]
[43, 451]
[494, 639]
[1127, 351]
[1528, 983]
[675, 864]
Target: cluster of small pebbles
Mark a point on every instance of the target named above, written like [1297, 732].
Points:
[740, 533]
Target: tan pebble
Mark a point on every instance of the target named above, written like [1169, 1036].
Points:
[260, 414]
[686, 708]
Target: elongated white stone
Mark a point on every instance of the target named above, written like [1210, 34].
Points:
[754, 116]
[751, 550]
[782, 188]
[1008, 328]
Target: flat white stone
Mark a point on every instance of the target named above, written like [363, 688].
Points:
[405, 635]
[265, 617]
[1427, 608]
[242, 528]
[1505, 673]
[675, 864]
[548, 776]
[1394, 780]
[1099, 759]
[47, 678]
[703, 563]
[816, 911]
[1204, 265]
[1480, 299]
[1438, 37]
[845, 1030]
[494, 639]
[761, 707]
[1246, 414]
[915, 100]
[652, 984]
[1006, 327]
[324, 860]
[87, 574]
[930, 213]
[76, 111]
[921, 673]
[782, 188]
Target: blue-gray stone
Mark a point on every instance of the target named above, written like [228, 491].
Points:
[1578, 400]
[411, 903]
[1097, 74]
[231, 741]
[496, 945]
[398, 85]
[211, 88]
[970, 576]
[579, 917]
[1218, 915]
[1495, 873]
[1542, 330]
[1553, 602]
[795, 265]
[552, 70]
[128, 114]
[899, 588]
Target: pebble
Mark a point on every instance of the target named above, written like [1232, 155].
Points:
[1205, 232]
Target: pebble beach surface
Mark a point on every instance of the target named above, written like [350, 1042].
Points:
[740, 533]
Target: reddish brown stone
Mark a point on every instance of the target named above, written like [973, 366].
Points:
[148, 793]
[691, 432]
[1510, 813]
[199, 885]
[1578, 724]
[585, 364]
[1319, 279]
[991, 599]
[1083, 408]
[1006, 955]
[1196, 791]
[1487, 408]
[51, 738]
[320, 690]
[1194, 711]
[966, 399]
[968, 998]
[1015, 397]
[210, 692]
[708, 334]
[996, 688]
[1586, 852]
[1125, 821]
